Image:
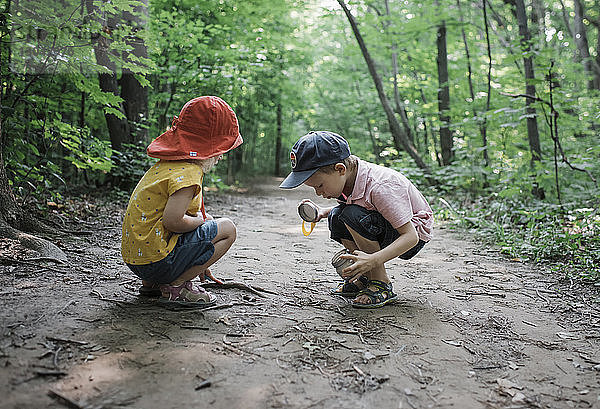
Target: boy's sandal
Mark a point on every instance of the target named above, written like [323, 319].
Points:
[378, 298]
[186, 295]
[150, 291]
[350, 290]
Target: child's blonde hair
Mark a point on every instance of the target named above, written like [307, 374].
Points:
[207, 164]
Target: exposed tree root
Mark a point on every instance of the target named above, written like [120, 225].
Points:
[45, 248]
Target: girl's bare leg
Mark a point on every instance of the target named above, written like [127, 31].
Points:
[226, 235]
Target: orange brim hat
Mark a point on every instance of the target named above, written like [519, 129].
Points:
[206, 127]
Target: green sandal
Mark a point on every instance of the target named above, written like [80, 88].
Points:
[382, 296]
[350, 290]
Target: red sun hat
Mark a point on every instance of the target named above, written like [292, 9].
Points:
[206, 127]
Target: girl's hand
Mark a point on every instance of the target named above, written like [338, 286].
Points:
[207, 274]
[363, 263]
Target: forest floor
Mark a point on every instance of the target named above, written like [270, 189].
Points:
[471, 329]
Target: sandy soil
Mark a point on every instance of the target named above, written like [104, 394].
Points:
[472, 329]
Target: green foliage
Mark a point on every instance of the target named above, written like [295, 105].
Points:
[53, 126]
[129, 166]
[300, 59]
[567, 237]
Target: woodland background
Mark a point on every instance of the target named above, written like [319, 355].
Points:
[491, 107]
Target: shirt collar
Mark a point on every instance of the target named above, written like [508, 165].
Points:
[360, 183]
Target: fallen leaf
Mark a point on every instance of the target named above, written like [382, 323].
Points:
[368, 356]
[453, 343]
[518, 398]
[310, 346]
[567, 335]
[505, 383]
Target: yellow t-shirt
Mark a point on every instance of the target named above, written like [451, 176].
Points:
[144, 239]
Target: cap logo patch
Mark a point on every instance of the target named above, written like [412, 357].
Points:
[192, 153]
[293, 160]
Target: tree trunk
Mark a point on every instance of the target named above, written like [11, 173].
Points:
[400, 107]
[118, 128]
[489, 85]
[538, 13]
[278, 140]
[400, 137]
[532, 128]
[597, 62]
[375, 145]
[135, 96]
[444, 96]
[583, 48]
[9, 210]
[11, 214]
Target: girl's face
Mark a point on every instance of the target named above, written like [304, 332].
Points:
[328, 185]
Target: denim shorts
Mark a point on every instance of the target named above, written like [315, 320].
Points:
[193, 248]
[370, 224]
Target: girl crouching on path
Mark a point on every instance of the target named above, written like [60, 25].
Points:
[167, 237]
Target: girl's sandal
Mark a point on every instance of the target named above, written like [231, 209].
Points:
[186, 295]
[350, 290]
[378, 298]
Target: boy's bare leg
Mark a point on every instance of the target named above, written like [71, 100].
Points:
[378, 273]
[349, 244]
[226, 235]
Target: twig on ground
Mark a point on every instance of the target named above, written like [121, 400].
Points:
[240, 286]
[489, 293]
[193, 327]
[266, 315]
[541, 296]
[358, 370]
[64, 400]
[70, 341]
[51, 373]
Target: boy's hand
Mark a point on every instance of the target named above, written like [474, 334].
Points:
[322, 212]
[363, 263]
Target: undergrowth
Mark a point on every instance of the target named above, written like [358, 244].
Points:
[566, 237]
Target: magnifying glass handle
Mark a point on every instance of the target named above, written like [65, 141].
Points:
[307, 232]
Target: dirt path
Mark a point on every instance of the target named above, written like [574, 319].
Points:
[472, 329]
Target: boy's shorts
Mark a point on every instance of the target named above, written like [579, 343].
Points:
[370, 224]
[193, 248]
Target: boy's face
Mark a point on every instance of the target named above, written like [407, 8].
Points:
[328, 185]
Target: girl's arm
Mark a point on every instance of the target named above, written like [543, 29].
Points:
[175, 218]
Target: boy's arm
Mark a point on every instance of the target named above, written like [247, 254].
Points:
[175, 218]
[364, 262]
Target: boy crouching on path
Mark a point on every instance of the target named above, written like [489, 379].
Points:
[167, 237]
[381, 215]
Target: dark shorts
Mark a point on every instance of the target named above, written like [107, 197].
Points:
[193, 248]
[370, 224]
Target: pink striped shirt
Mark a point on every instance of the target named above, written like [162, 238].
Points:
[394, 196]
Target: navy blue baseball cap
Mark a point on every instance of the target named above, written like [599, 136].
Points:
[313, 151]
